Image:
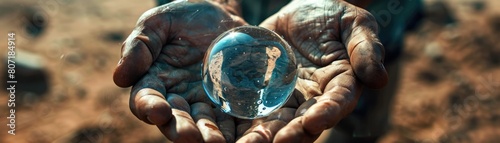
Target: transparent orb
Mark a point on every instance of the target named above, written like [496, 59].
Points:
[249, 72]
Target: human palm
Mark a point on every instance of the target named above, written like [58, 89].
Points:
[337, 51]
[162, 58]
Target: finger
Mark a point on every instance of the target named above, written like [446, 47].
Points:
[294, 132]
[226, 125]
[340, 98]
[306, 105]
[204, 117]
[141, 48]
[181, 128]
[148, 103]
[265, 132]
[364, 48]
[270, 23]
[151, 107]
[171, 115]
[242, 126]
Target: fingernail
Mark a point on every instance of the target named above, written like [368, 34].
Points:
[154, 110]
[147, 116]
[120, 61]
[148, 106]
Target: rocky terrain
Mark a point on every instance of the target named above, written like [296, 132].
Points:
[448, 85]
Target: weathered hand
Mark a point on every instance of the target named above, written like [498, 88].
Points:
[161, 59]
[338, 52]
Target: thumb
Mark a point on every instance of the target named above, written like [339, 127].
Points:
[364, 48]
[141, 48]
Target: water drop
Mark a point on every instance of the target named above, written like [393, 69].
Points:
[250, 66]
[259, 101]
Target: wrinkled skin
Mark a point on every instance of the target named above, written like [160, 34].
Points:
[334, 42]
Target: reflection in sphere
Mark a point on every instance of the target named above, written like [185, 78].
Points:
[249, 72]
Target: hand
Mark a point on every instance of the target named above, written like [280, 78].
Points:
[161, 59]
[338, 52]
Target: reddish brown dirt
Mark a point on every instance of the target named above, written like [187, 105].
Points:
[450, 79]
[83, 104]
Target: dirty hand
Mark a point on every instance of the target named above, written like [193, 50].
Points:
[338, 53]
[161, 59]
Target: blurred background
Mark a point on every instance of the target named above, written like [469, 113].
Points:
[66, 51]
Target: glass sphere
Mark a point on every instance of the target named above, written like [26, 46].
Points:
[249, 72]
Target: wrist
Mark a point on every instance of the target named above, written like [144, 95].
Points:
[232, 6]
